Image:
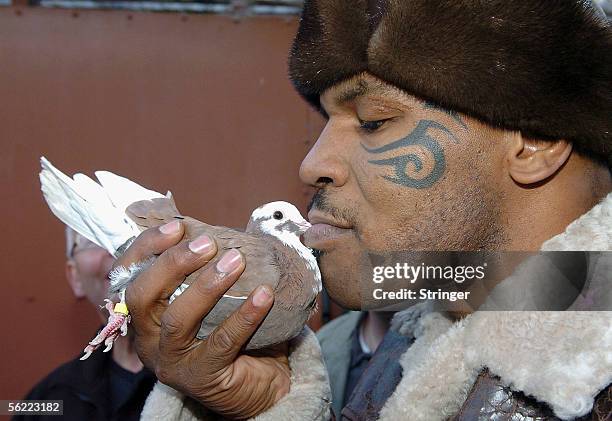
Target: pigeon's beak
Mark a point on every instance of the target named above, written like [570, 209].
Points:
[304, 225]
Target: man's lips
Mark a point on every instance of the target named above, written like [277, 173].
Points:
[324, 231]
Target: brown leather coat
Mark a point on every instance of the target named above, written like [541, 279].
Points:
[490, 399]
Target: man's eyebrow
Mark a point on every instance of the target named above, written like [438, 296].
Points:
[363, 88]
[352, 92]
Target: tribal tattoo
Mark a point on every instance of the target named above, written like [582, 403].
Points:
[418, 137]
[453, 114]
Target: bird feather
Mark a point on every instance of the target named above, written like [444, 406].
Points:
[123, 192]
[96, 211]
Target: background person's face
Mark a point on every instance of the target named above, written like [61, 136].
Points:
[91, 266]
[402, 175]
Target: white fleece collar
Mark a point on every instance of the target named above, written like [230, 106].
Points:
[561, 358]
[591, 232]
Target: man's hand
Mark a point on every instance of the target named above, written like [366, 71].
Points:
[213, 370]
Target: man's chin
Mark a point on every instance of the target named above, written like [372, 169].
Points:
[341, 278]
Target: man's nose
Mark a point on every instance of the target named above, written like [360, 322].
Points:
[325, 165]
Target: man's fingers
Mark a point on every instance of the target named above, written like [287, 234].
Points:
[226, 341]
[151, 242]
[181, 320]
[147, 296]
[171, 268]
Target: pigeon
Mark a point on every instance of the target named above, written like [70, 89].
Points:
[113, 212]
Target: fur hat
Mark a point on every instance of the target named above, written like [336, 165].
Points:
[541, 67]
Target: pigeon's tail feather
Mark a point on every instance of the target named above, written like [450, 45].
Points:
[96, 211]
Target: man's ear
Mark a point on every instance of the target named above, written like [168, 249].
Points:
[73, 279]
[532, 160]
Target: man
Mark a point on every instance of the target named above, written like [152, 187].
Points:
[452, 125]
[106, 386]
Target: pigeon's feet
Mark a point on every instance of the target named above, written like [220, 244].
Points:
[116, 325]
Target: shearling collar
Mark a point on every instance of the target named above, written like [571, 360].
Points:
[561, 358]
[592, 231]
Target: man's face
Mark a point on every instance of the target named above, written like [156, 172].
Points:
[396, 173]
[89, 269]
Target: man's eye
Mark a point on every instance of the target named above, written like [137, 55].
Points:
[371, 126]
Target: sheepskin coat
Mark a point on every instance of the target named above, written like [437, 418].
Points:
[560, 360]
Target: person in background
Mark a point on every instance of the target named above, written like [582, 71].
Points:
[106, 386]
[347, 344]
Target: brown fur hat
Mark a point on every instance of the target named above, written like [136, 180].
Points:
[542, 67]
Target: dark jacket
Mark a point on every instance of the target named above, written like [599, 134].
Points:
[335, 340]
[85, 388]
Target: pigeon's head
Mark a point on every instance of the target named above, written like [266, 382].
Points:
[283, 221]
[280, 219]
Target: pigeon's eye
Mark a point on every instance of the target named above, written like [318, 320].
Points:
[277, 215]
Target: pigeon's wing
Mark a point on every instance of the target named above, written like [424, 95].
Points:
[123, 192]
[153, 212]
[96, 211]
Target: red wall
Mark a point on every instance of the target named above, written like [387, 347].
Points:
[197, 104]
